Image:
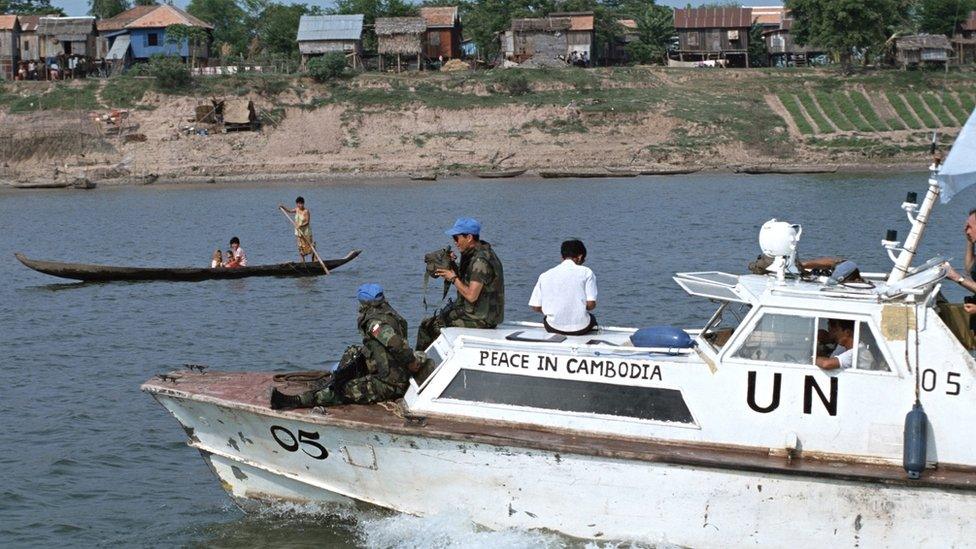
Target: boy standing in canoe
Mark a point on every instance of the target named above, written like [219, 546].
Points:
[303, 227]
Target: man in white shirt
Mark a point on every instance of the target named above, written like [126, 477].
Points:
[237, 256]
[842, 332]
[566, 293]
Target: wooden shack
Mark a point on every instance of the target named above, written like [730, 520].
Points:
[9, 46]
[443, 38]
[29, 45]
[922, 48]
[964, 40]
[322, 34]
[783, 51]
[720, 34]
[552, 39]
[66, 36]
[401, 36]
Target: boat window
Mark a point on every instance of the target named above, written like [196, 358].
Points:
[780, 338]
[654, 403]
[867, 354]
[724, 323]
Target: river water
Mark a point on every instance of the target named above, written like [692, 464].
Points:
[88, 459]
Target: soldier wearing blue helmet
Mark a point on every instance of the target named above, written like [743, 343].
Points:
[375, 371]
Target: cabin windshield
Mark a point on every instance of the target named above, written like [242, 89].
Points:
[724, 323]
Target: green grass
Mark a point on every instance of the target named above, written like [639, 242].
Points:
[953, 105]
[915, 102]
[125, 92]
[793, 107]
[937, 108]
[847, 107]
[60, 97]
[903, 110]
[823, 125]
[968, 101]
[867, 111]
[829, 107]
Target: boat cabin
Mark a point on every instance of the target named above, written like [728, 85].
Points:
[754, 363]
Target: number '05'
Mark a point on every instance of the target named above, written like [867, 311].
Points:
[305, 439]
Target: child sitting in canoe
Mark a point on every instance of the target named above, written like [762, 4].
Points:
[216, 260]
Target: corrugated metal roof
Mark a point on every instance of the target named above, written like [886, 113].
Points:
[967, 25]
[121, 20]
[920, 41]
[711, 18]
[166, 15]
[581, 23]
[119, 48]
[386, 26]
[8, 22]
[330, 27]
[768, 16]
[63, 26]
[440, 16]
[546, 24]
[28, 23]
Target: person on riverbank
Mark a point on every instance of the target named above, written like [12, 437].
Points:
[237, 256]
[375, 371]
[566, 293]
[479, 281]
[303, 228]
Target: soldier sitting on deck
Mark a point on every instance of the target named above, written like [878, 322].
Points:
[375, 371]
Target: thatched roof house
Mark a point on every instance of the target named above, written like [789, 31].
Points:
[922, 48]
[400, 35]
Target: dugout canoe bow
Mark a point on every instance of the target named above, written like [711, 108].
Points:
[107, 273]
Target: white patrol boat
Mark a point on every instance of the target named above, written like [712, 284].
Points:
[732, 438]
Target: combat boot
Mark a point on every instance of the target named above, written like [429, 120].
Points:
[280, 400]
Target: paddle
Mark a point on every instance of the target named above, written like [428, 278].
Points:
[315, 254]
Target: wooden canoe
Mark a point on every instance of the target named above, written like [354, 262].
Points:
[105, 273]
[774, 169]
[500, 174]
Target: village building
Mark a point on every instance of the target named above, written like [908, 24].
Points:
[322, 34]
[550, 40]
[768, 17]
[29, 45]
[67, 36]
[9, 46]
[616, 52]
[717, 35]
[783, 51]
[964, 40]
[138, 34]
[922, 48]
[443, 38]
[402, 37]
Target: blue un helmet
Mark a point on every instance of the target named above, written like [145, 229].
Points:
[369, 292]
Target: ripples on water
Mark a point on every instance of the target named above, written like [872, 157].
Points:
[89, 460]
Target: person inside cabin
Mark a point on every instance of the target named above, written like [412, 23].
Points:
[217, 259]
[840, 334]
[237, 256]
[375, 371]
[566, 293]
[479, 281]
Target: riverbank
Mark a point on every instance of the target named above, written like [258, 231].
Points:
[614, 122]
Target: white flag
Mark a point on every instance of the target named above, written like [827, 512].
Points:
[959, 169]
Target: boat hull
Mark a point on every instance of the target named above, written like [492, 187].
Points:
[106, 273]
[307, 457]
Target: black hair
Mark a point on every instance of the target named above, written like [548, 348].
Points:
[573, 248]
[299, 200]
[972, 212]
[843, 324]
[235, 240]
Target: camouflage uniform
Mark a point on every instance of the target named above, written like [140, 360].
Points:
[477, 264]
[383, 358]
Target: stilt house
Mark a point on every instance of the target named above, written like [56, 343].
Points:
[922, 48]
[964, 41]
[67, 36]
[720, 34]
[29, 45]
[9, 46]
[402, 37]
[322, 34]
[443, 32]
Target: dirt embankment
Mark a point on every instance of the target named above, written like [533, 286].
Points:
[645, 121]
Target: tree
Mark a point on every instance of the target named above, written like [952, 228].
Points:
[193, 37]
[30, 7]
[105, 9]
[655, 28]
[941, 16]
[277, 27]
[145, 3]
[846, 27]
[326, 67]
[231, 23]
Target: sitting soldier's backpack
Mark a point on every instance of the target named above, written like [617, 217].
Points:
[438, 259]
